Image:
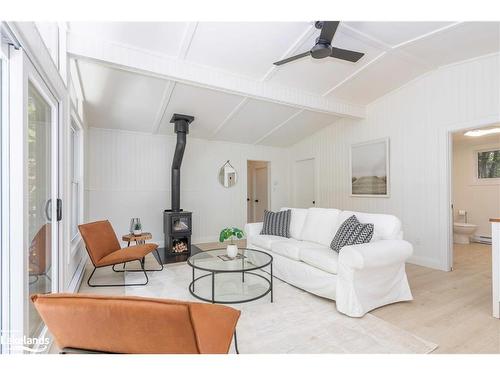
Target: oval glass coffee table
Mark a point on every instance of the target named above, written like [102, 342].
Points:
[224, 280]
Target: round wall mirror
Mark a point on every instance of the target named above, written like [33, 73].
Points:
[228, 175]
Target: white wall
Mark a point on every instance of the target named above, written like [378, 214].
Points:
[129, 176]
[417, 118]
[481, 201]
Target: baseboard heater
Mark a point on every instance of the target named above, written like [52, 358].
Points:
[482, 239]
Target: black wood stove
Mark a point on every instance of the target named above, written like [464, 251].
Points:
[177, 223]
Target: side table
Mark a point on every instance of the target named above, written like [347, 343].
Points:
[139, 239]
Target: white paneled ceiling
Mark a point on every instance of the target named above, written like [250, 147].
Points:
[395, 53]
[255, 119]
[246, 48]
[161, 37]
[318, 76]
[394, 33]
[209, 107]
[385, 74]
[117, 99]
[462, 42]
[299, 127]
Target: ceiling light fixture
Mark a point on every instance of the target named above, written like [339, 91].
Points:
[481, 132]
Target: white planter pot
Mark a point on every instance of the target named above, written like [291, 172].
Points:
[232, 251]
[137, 232]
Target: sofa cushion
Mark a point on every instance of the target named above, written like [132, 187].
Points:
[291, 248]
[351, 232]
[321, 225]
[386, 227]
[321, 257]
[297, 221]
[277, 223]
[265, 241]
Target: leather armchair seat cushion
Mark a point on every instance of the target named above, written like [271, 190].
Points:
[127, 254]
[136, 325]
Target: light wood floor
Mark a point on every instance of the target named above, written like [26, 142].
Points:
[451, 309]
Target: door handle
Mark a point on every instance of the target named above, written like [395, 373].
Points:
[59, 209]
[47, 210]
[256, 201]
[248, 199]
[314, 202]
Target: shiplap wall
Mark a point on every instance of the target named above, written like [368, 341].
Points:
[417, 118]
[129, 176]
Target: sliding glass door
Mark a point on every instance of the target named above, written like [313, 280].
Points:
[41, 200]
[35, 210]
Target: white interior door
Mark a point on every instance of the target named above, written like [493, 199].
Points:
[305, 184]
[261, 202]
[250, 183]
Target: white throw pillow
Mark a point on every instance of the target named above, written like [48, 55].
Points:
[321, 225]
[297, 221]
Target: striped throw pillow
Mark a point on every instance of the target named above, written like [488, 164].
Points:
[277, 223]
[352, 232]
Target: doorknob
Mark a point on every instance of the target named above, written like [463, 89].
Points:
[314, 202]
[248, 199]
[256, 201]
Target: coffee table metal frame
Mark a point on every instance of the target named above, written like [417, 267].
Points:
[212, 273]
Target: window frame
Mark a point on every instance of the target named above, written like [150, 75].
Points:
[77, 127]
[4, 193]
[475, 161]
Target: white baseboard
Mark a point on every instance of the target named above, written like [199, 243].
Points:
[75, 283]
[426, 262]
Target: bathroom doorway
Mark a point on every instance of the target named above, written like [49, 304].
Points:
[475, 195]
[258, 190]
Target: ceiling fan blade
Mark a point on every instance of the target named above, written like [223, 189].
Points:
[345, 54]
[328, 30]
[289, 59]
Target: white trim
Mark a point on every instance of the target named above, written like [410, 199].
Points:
[311, 29]
[426, 262]
[187, 40]
[4, 196]
[162, 66]
[165, 101]
[386, 140]
[231, 114]
[280, 125]
[448, 201]
[426, 35]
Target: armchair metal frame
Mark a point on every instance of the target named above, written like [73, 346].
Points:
[141, 262]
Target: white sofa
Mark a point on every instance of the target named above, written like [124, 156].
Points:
[360, 278]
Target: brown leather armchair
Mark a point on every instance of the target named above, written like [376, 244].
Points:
[104, 250]
[135, 325]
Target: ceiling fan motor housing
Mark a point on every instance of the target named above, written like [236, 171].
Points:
[321, 50]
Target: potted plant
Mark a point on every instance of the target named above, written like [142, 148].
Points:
[137, 229]
[231, 234]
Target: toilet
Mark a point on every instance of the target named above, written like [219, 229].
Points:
[462, 232]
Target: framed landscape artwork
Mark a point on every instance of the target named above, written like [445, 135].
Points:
[369, 162]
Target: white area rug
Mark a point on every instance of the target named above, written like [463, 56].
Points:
[297, 321]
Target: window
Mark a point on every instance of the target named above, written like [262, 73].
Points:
[488, 164]
[76, 180]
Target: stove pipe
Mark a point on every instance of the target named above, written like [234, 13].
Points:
[181, 128]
